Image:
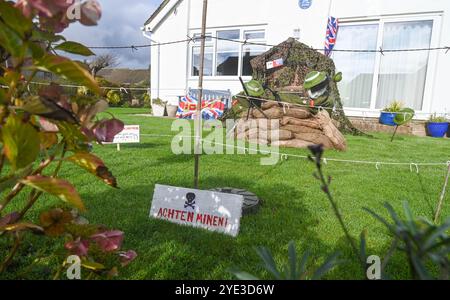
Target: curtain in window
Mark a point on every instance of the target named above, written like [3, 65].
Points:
[402, 75]
[357, 68]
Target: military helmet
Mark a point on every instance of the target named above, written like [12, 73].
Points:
[254, 88]
[314, 78]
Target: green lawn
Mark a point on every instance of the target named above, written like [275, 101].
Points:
[293, 208]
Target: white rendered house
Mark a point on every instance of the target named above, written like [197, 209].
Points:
[420, 79]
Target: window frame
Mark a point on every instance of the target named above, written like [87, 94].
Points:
[436, 18]
[214, 31]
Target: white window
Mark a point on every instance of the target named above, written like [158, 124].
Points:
[372, 80]
[209, 53]
[225, 55]
[252, 50]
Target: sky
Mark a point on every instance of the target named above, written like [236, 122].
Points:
[120, 25]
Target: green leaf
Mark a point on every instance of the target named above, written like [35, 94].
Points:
[22, 227]
[21, 142]
[11, 41]
[74, 48]
[69, 70]
[72, 134]
[93, 165]
[302, 266]
[404, 116]
[56, 187]
[244, 275]
[363, 245]
[48, 109]
[292, 261]
[269, 262]
[329, 264]
[93, 266]
[14, 18]
[10, 180]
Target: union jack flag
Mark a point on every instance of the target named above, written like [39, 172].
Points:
[211, 109]
[332, 30]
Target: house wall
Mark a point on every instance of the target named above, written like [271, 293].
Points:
[280, 18]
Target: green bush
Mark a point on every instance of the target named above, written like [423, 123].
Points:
[113, 98]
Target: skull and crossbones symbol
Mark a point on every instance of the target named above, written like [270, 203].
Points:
[190, 201]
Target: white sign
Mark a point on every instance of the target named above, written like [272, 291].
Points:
[129, 135]
[274, 64]
[202, 209]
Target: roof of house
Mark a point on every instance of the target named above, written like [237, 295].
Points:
[157, 11]
[125, 76]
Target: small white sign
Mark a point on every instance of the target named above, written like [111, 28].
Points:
[202, 209]
[129, 135]
[274, 64]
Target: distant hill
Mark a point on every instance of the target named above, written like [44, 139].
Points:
[125, 76]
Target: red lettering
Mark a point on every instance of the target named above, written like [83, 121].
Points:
[182, 216]
[190, 217]
[199, 218]
[170, 214]
[216, 219]
[209, 220]
[160, 212]
[221, 221]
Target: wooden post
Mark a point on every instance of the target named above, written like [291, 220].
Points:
[118, 147]
[441, 200]
[198, 119]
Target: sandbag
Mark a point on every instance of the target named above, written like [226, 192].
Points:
[272, 113]
[298, 113]
[256, 133]
[301, 129]
[315, 139]
[312, 123]
[330, 130]
[296, 143]
[269, 105]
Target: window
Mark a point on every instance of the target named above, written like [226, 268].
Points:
[358, 68]
[373, 80]
[250, 51]
[403, 74]
[224, 56]
[209, 53]
[208, 61]
[227, 61]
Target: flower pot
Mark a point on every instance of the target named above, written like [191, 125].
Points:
[158, 110]
[437, 130]
[172, 110]
[387, 118]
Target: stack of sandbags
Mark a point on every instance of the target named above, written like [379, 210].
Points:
[297, 127]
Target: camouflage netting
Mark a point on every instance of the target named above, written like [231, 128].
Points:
[306, 125]
[300, 59]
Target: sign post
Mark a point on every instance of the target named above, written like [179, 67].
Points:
[198, 121]
[129, 135]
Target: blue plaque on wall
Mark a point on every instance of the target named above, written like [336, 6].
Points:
[305, 4]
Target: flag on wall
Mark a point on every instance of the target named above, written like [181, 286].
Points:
[211, 109]
[332, 30]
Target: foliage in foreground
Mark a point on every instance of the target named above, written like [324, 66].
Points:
[40, 132]
[425, 244]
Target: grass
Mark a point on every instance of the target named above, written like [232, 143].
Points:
[293, 207]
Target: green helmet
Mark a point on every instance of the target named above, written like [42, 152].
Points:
[254, 88]
[313, 79]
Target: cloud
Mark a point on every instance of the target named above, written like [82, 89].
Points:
[119, 26]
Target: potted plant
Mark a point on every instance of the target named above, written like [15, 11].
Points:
[158, 107]
[389, 113]
[437, 126]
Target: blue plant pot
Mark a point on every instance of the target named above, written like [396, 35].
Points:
[387, 118]
[437, 130]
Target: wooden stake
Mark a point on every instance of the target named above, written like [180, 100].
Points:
[198, 119]
[118, 147]
[441, 200]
